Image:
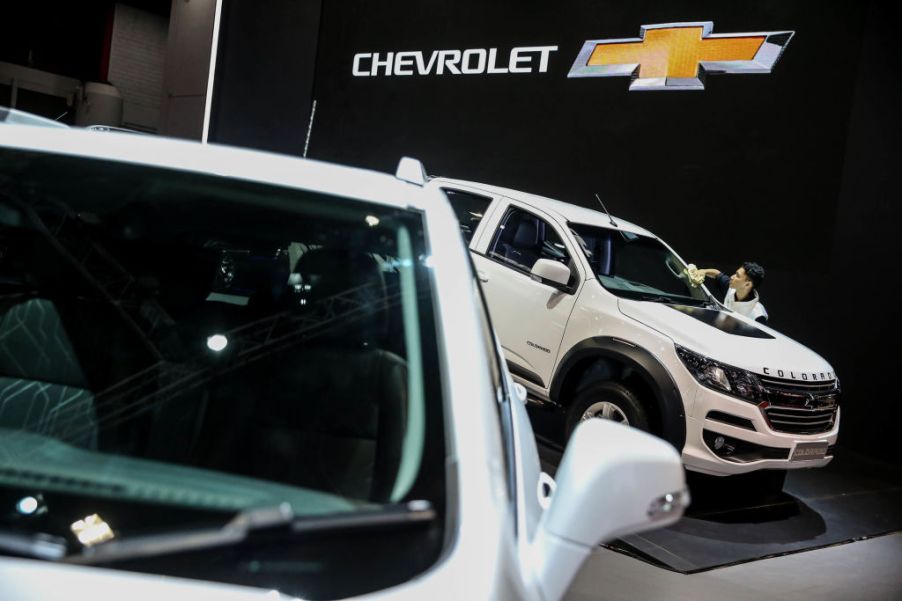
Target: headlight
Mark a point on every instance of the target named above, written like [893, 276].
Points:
[724, 378]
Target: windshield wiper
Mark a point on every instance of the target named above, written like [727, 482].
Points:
[672, 300]
[38, 546]
[259, 520]
[658, 299]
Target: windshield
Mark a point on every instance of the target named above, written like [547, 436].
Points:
[178, 348]
[635, 266]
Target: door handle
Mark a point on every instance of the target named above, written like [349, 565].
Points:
[482, 276]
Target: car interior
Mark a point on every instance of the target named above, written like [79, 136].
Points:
[105, 344]
[523, 239]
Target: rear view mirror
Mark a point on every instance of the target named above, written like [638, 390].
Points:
[612, 481]
[547, 270]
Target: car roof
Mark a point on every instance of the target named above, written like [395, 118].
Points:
[564, 211]
[224, 161]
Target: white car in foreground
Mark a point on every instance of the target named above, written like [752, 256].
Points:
[598, 318]
[232, 375]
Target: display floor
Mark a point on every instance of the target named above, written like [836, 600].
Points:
[864, 571]
[853, 498]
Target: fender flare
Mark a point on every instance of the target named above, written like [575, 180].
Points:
[668, 399]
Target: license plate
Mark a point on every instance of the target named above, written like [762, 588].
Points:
[809, 451]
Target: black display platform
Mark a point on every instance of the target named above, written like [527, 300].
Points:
[853, 498]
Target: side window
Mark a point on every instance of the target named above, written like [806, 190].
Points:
[522, 239]
[469, 209]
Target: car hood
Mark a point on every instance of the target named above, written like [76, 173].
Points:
[27, 580]
[730, 338]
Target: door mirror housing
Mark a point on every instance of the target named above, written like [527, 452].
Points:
[612, 481]
[546, 270]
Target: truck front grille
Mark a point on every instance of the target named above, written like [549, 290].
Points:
[798, 420]
[800, 407]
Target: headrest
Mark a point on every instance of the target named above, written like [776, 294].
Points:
[34, 345]
[527, 234]
[356, 279]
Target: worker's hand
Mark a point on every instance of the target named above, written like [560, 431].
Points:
[696, 278]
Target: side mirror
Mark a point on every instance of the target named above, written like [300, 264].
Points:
[547, 270]
[612, 481]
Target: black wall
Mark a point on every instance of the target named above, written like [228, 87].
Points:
[791, 169]
[70, 39]
[264, 75]
[64, 38]
[860, 300]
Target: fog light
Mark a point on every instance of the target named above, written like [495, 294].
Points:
[718, 443]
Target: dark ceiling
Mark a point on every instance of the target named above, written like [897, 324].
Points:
[63, 38]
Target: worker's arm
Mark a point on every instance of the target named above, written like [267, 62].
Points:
[709, 273]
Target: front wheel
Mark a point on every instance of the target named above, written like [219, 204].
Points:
[607, 400]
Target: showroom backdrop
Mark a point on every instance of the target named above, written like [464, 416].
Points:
[792, 169]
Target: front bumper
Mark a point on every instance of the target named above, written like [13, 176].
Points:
[744, 427]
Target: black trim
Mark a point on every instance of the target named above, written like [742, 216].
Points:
[668, 400]
[723, 321]
[465, 228]
[741, 451]
[524, 373]
[484, 196]
[733, 420]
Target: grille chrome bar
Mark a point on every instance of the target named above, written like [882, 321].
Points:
[828, 420]
[802, 385]
[795, 419]
[798, 420]
[799, 412]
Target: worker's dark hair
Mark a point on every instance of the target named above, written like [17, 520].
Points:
[755, 273]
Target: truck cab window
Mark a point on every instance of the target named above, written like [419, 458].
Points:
[469, 209]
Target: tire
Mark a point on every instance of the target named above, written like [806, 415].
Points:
[607, 398]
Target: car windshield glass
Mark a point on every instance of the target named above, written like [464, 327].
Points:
[177, 348]
[635, 266]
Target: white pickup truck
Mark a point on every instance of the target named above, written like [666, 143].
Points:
[226, 374]
[597, 317]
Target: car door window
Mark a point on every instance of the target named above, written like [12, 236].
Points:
[523, 238]
[469, 209]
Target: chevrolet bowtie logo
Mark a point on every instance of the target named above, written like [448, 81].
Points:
[676, 56]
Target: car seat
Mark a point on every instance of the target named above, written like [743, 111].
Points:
[328, 413]
[42, 386]
[524, 245]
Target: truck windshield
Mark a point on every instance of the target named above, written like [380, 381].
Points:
[638, 267]
[177, 349]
